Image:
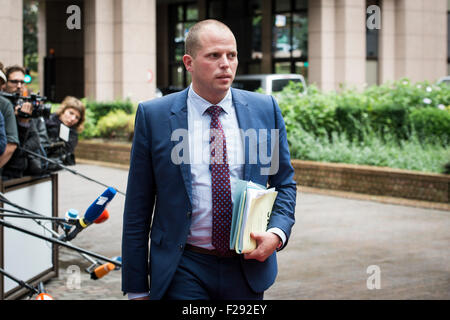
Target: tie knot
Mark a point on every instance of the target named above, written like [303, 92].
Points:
[214, 111]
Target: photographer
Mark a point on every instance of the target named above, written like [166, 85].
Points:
[20, 163]
[10, 127]
[62, 129]
[2, 134]
[3, 140]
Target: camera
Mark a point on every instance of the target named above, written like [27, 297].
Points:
[40, 108]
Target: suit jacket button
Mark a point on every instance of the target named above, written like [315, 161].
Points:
[189, 214]
[181, 247]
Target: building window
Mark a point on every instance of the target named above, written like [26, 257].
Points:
[244, 18]
[372, 36]
[290, 37]
[182, 17]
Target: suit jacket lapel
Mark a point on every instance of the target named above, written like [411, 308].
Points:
[245, 123]
[178, 120]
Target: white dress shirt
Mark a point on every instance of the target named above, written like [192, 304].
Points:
[199, 151]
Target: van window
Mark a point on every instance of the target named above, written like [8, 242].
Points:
[247, 84]
[279, 84]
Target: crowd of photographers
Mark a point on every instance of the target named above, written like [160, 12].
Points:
[29, 133]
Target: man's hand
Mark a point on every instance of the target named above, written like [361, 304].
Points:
[25, 108]
[266, 244]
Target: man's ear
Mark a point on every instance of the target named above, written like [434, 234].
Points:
[188, 60]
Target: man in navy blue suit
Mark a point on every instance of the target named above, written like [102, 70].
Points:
[181, 180]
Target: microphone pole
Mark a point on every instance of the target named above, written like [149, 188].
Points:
[68, 169]
[22, 209]
[18, 214]
[59, 242]
[22, 283]
[53, 232]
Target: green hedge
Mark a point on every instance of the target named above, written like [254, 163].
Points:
[109, 119]
[100, 109]
[116, 124]
[431, 123]
[392, 110]
[400, 124]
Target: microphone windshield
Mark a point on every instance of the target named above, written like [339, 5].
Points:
[44, 296]
[98, 206]
[103, 217]
[102, 270]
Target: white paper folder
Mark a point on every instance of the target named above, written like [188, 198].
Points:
[252, 206]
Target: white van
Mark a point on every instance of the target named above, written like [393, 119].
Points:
[268, 82]
[445, 80]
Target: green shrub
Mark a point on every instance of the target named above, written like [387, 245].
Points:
[389, 120]
[398, 124]
[372, 150]
[431, 124]
[314, 112]
[100, 109]
[116, 124]
[90, 129]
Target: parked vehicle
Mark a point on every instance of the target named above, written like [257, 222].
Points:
[268, 82]
[445, 80]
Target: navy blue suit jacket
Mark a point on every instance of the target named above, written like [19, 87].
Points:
[159, 194]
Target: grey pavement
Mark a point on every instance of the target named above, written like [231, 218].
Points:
[338, 248]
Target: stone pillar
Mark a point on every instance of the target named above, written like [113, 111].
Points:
[120, 49]
[321, 37]
[99, 49]
[135, 31]
[350, 42]
[11, 34]
[386, 49]
[421, 39]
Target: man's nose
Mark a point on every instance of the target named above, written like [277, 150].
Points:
[224, 62]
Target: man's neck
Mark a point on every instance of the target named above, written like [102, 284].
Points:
[212, 98]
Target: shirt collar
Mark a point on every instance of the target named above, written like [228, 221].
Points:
[201, 104]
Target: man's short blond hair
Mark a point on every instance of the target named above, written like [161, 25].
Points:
[192, 43]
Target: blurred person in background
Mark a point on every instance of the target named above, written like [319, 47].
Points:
[2, 134]
[59, 136]
[10, 125]
[20, 162]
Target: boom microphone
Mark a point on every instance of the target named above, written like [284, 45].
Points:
[94, 211]
[70, 214]
[102, 271]
[42, 294]
[103, 217]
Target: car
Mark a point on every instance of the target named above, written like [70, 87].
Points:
[445, 80]
[269, 83]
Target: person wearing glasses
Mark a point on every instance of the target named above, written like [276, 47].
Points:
[7, 110]
[3, 137]
[28, 135]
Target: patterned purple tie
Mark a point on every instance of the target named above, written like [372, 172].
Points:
[220, 184]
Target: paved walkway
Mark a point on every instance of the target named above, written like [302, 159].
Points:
[334, 242]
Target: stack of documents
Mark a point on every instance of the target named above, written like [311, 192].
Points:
[252, 206]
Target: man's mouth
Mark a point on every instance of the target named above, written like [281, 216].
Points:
[224, 76]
